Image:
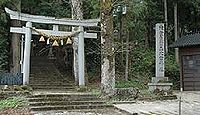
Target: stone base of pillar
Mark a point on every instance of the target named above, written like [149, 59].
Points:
[160, 83]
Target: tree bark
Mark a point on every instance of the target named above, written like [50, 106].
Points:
[107, 50]
[122, 41]
[77, 13]
[15, 42]
[166, 26]
[176, 30]
[127, 56]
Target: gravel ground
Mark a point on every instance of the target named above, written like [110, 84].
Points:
[190, 106]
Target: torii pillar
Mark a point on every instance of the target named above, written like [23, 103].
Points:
[27, 52]
[81, 57]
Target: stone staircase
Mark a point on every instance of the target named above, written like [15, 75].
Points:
[54, 92]
[45, 76]
[66, 102]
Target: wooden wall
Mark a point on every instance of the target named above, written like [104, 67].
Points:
[190, 68]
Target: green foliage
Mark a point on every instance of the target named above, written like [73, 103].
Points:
[4, 44]
[96, 92]
[143, 66]
[56, 9]
[82, 89]
[13, 102]
[91, 9]
[24, 89]
[172, 70]
[142, 62]
[132, 83]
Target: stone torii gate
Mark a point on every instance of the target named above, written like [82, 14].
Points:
[29, 19]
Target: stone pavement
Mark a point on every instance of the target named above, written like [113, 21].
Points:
[190, 106]
[96, 112]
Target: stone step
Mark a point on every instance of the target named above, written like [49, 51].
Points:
[46, 74]
[49, 78]
[69, 107]
[51, 84]
[54, 91]
[53, 88]
[51, 81]
[52, 103]
[62, 99]
[102, 111]
[62, 95]
[98, 111]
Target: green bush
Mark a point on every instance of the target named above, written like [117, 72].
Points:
[132, 83]
[13, 102]
[143, 66]
[4, 41]
[172, 70]
[143, 60]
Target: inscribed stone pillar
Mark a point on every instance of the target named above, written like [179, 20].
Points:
[160, 51]
[160, 81]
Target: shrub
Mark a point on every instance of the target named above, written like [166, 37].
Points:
[13, 102]
[132, 83]
[172, 70]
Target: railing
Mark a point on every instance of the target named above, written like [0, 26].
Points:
[11, 79]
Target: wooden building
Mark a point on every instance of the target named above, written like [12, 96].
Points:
[189, 58]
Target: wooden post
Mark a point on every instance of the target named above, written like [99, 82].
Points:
[81, 72]
[27, 52]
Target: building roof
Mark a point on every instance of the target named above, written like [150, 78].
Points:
[186, 41]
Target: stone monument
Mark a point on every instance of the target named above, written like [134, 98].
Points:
[160, 81]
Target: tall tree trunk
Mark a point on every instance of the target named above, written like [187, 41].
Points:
[122, 41]
[176, 30]
[127, 56]
[107, 51]
[77, 13]
[166, 26]
[15, 41]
